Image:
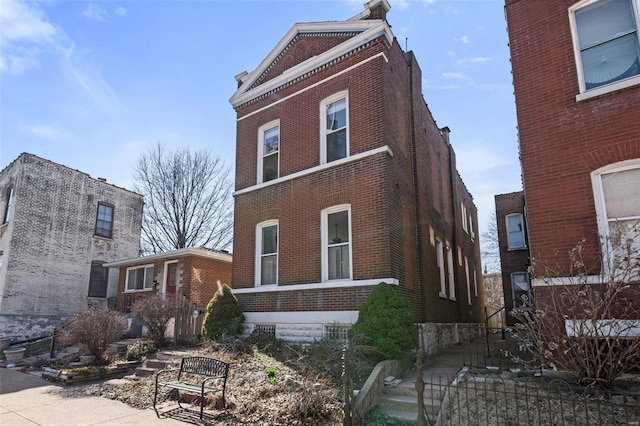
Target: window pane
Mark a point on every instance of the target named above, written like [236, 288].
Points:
[139, 279]
[336, 145]
[622, 193]
[603, 21]
[269, 268]
[337, 114]
[339, 262]
[338, 227]
[516, 234]
[520, 285]
[270, 167]
[173, 275]
[269, 239]
[611, 61]
[131, 280]
[271, 140]
[148, 276]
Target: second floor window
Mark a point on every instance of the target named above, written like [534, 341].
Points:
[606, 42]
[515, 231]
[7, 206]
[269, 152]
[104, 220]
[335, 132]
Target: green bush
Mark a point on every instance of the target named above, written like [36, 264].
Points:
[386, 321]
[223, 316]
[139, 349]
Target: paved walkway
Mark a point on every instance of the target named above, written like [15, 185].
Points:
[26, 399]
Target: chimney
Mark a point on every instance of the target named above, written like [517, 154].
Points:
[445, 134]
[377, 9]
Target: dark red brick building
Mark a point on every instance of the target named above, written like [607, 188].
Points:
[343, 180]
[576, 74]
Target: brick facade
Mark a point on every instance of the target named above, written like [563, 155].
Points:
[569, 134]
[50, 241]
[198, 273]
[399, 179]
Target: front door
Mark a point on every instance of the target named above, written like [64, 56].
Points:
[172, 278]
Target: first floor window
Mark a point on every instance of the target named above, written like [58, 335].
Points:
[606, 41]
[140, 278]
[98, 279]
[267, 253]
[104, 220]
[617, 190]
[336, 332]
[336, 240]
[440, 260]
[521, 289]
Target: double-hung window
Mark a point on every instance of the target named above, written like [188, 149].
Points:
[140, 278]
[334, 122]
[521, 289]
[440, 260]
[452, 282]
[605, 34]
[269, 151]
[336, 243]
[515, 231]
[104, 220]
[7, 205]
[617, 195]
[267, 253]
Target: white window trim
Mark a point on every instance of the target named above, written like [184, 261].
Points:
[601, 212]
[466, 274]
[126, 278]
[524, 239]
[452, 282]
[440, 263]
[463, 213]
[268, 126]
[324, 230]
[165, 274]
[258, 256]
[323, 123]
[513, 290]
[600, 90]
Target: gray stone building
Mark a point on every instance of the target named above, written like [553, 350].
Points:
[58, 227]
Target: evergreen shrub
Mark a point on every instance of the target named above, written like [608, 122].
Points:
[223, 316]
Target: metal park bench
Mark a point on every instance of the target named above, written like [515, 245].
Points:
[197, 375]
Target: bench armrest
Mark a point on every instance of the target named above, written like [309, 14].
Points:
[168, 370]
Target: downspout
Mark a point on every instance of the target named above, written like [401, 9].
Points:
[416, 192]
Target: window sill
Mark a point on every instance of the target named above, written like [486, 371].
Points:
[316, 286]
[102, 237]
[146, 290]
[603, 90]
[453, 299]
[516, 248]
[442, 295]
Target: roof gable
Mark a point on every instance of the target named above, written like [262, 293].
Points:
[277, 69]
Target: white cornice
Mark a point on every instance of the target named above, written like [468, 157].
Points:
[370, 30]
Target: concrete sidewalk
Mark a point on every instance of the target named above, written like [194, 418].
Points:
[26, 399]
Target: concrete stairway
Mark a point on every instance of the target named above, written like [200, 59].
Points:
[401, 402]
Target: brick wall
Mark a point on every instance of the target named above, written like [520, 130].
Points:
[563, 140]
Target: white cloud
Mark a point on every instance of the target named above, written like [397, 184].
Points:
[462, 39]
[121, 11]
[480, 59]
[95, 13]
[50, 132]
[24, 31]
[455, 75]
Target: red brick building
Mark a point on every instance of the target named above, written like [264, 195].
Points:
[343, 180]
[576, 74]
[514, 253]
[193, 272]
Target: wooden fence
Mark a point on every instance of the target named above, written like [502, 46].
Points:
[188, 325]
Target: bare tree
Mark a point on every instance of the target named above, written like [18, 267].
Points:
[187, 198]
[489, 246]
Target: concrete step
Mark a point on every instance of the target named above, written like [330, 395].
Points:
[155, 363]
[434, 391]
[408, 403]
[145, 371]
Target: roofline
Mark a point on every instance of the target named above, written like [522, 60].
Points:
[174, 254]
[371, 29]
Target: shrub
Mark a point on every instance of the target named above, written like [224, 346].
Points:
[139, 349]
[96, 329]
[386, 321]
[154, 312]
[223, 315]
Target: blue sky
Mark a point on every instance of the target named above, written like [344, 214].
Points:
[92, 85]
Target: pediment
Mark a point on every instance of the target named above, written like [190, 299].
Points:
[305, 47]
